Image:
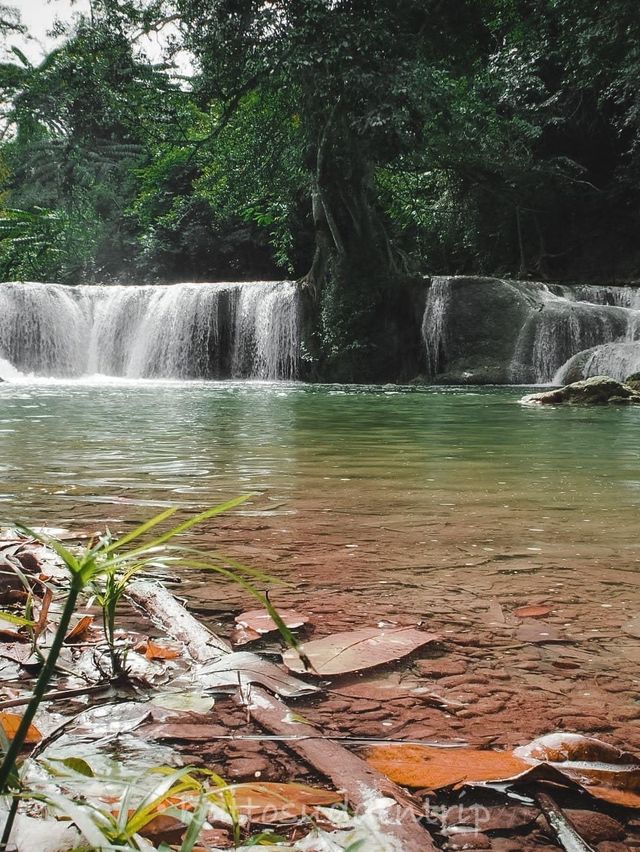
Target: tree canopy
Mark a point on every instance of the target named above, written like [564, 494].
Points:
[347, 143]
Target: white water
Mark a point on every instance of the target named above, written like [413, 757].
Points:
[563, 326]
[434, 324]
[238, 330]
[558, 322]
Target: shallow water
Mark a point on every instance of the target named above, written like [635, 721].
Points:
[433, 452]
[375, 502]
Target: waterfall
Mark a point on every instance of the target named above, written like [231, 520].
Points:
[224, 330]
[557, 330]
[434, 324]
[488, 330]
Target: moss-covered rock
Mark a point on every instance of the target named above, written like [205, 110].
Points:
[598, 390]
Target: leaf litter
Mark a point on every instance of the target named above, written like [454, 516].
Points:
[578, 762]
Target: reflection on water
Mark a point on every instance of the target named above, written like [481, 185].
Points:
[356, 450]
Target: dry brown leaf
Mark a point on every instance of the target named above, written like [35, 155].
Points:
[156, 651]
[244, 635]
[435, 768]
[532, 611]
[13, 635]
[79, 629]
[163, 828]
[10, 723]
[352, 651]
[273, 802]
[261, 622]
[44, 612]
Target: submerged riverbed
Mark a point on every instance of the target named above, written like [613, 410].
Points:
[451, 506]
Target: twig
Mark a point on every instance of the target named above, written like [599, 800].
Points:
[56, 695]
[561, 826]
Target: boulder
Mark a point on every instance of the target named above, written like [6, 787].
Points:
[598, 390]
[617, 360]
[633, 381]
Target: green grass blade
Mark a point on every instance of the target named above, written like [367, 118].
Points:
[140, 530]
[16, 619]
[183, 527]
[195, 825]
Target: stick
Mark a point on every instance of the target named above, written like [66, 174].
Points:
[366, 790]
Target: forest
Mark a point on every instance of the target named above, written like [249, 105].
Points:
[352, 145]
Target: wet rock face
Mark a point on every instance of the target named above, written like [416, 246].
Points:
[616, 360]
[492, 331]
[599, 390]
[470, 329]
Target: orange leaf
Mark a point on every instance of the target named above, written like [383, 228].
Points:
[533, 611]
[79, 629]
[624, 798]
[155, 651]
[428, 766]
[11, 722]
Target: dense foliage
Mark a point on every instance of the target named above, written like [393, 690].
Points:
[349, 142]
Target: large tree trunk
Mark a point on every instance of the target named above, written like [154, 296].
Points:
[358, 299]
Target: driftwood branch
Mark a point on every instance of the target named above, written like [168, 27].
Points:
[365, 789]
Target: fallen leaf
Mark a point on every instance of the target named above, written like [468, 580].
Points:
[435, 768]
[244, 635]
[156, 651]
[261, 622]
[195, 702]
[623, 798]
[352, 651]
[499, 818]
[243, 668]
[273, 802]
[11, 722]
[588, 761]
[44, 612]
[383, 687]
[533, 611]
[13, 636]
[79, 629]
[163, 828]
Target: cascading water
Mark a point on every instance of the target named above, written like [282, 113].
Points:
[479, 330]
[235, 330]
[558, 329]
[434, 324]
